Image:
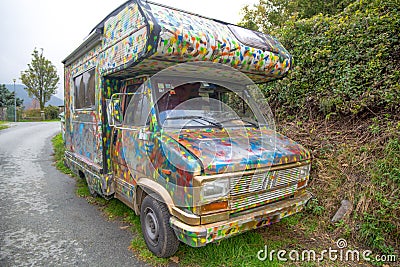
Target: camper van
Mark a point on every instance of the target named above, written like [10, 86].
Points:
[163, 112]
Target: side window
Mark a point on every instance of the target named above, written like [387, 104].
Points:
[77, 90]
[85, 90]
[127, 98]
[138, 110]
[144, 113]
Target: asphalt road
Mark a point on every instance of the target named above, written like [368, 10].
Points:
[42, 221]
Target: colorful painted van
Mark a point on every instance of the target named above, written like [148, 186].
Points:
[162, 112]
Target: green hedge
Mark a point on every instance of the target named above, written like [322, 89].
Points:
[50, 113]
[344, 64]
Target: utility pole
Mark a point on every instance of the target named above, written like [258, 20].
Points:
[15, 103]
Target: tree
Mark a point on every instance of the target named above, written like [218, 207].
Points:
[7, 97]
[40, 78]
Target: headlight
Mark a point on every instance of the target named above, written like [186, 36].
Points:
[304, 172]
[214, 190]
[304, 175]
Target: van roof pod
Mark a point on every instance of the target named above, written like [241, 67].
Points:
[143, 37]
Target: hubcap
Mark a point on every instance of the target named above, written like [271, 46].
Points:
[151, 226]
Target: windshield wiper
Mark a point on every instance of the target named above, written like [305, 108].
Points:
[241, 119]
[216, 124]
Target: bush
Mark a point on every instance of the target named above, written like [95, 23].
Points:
[32, 114]
[51, 112]
[344, 64]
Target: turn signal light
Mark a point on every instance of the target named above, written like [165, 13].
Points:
[301, 183]
[214, 206]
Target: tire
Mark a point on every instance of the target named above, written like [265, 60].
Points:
[158, 234]
[92, 192]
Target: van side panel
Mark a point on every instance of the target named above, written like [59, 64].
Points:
[84, 147]
[83, 126]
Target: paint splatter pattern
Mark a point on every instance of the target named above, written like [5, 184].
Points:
[189, 37]
[239, 150]
[208, 234]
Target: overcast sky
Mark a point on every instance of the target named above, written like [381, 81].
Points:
[60, 26]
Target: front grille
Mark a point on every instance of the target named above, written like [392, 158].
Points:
[262, 198]
[287, 176]
[261, 188]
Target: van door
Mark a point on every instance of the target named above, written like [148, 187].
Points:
[131, 146]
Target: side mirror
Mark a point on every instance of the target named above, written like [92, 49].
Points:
[114, 111]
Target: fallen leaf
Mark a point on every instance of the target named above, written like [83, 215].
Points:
[174, 259]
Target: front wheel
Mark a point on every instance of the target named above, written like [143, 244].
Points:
[158, 234]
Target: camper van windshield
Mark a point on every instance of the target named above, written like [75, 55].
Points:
[202, 105]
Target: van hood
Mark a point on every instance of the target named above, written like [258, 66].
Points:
[231, 150]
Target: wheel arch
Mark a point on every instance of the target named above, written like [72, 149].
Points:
[146, 187]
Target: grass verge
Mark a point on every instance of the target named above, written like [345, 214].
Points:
[58, 146]
[356, 160]
[3, 125]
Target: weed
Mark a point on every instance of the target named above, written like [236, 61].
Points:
[373, 234]
[315, 208]
[82, 188]
[238, 251]
[292, 220]
[138, 246]
[381, 224]
[345, 229]
[311, 224]
[374, 127]
[58, 146]
[116, 208]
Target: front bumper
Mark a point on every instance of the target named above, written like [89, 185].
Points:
[198, 236]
